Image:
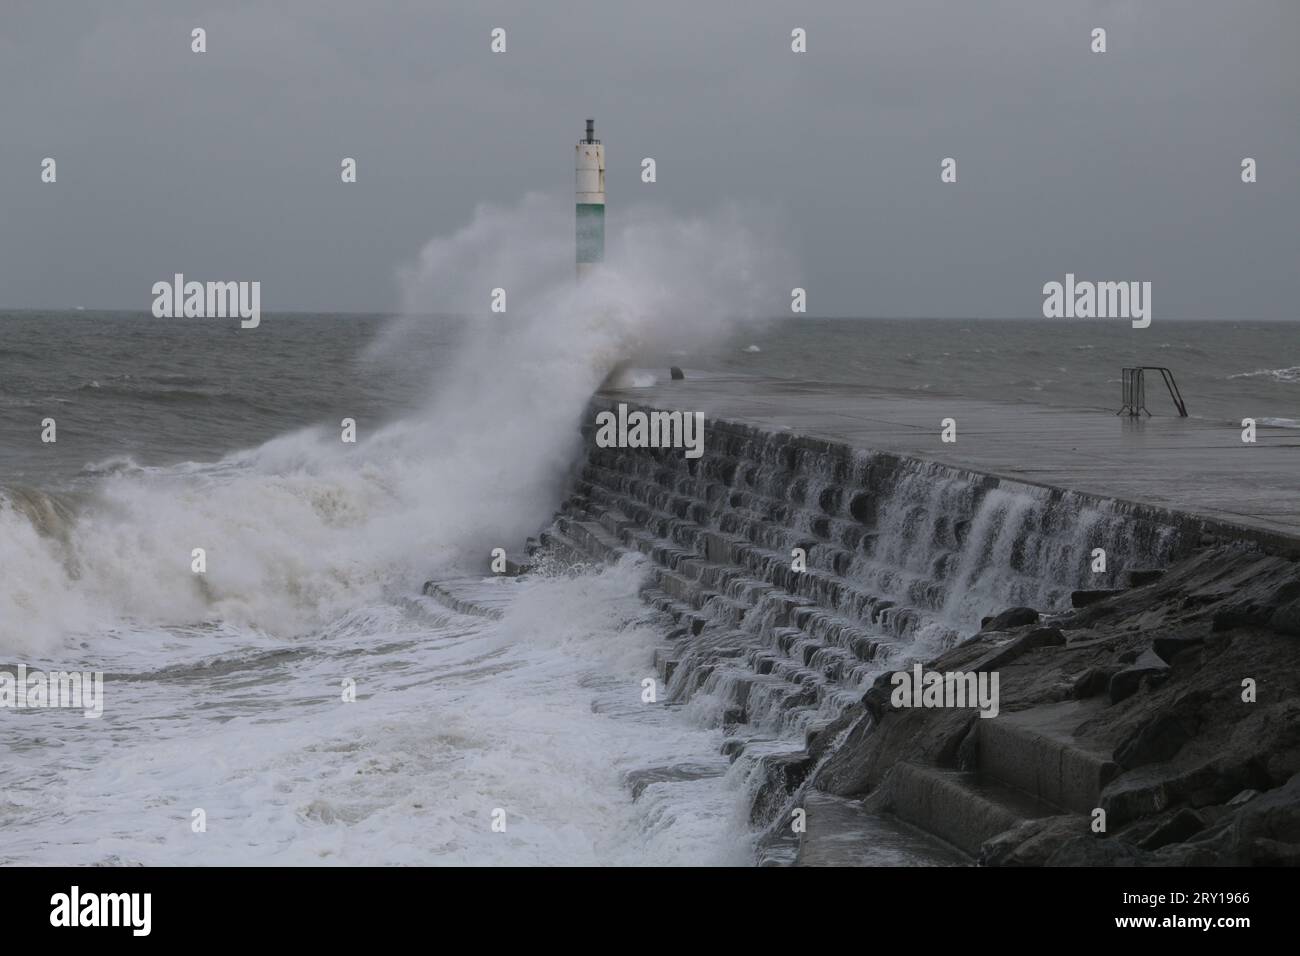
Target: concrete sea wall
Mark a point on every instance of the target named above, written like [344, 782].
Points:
[797, 574]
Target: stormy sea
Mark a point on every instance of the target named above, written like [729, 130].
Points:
[225, 690]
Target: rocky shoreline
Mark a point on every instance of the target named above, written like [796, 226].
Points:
[1173, 707]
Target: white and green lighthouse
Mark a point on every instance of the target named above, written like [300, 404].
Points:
[591, 201]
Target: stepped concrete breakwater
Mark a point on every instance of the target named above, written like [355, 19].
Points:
[1148, 703]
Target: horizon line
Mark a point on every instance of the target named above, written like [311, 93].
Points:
[367, 313]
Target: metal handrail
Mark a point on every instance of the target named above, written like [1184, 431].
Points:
[1133, 390]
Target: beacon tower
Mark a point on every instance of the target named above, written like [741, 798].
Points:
[591, 201]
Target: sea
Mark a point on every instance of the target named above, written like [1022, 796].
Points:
[299, 700]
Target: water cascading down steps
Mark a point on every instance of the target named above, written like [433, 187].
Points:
[903, 559]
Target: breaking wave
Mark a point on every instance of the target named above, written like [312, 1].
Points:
[298, 531]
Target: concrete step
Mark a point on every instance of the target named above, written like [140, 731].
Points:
[959, 808]
[839, 832]
[638, 781]
[562, 546]
[592, 538]
[1036, 751]
[477, 597]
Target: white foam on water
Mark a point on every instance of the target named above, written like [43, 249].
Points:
[453, 720]
[231, 696]
[1291, 374]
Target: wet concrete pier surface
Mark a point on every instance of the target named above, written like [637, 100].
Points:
[1187, 465]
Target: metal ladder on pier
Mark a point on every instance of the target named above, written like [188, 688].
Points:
[1134, 390]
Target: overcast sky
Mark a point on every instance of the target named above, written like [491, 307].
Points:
[225, 165]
